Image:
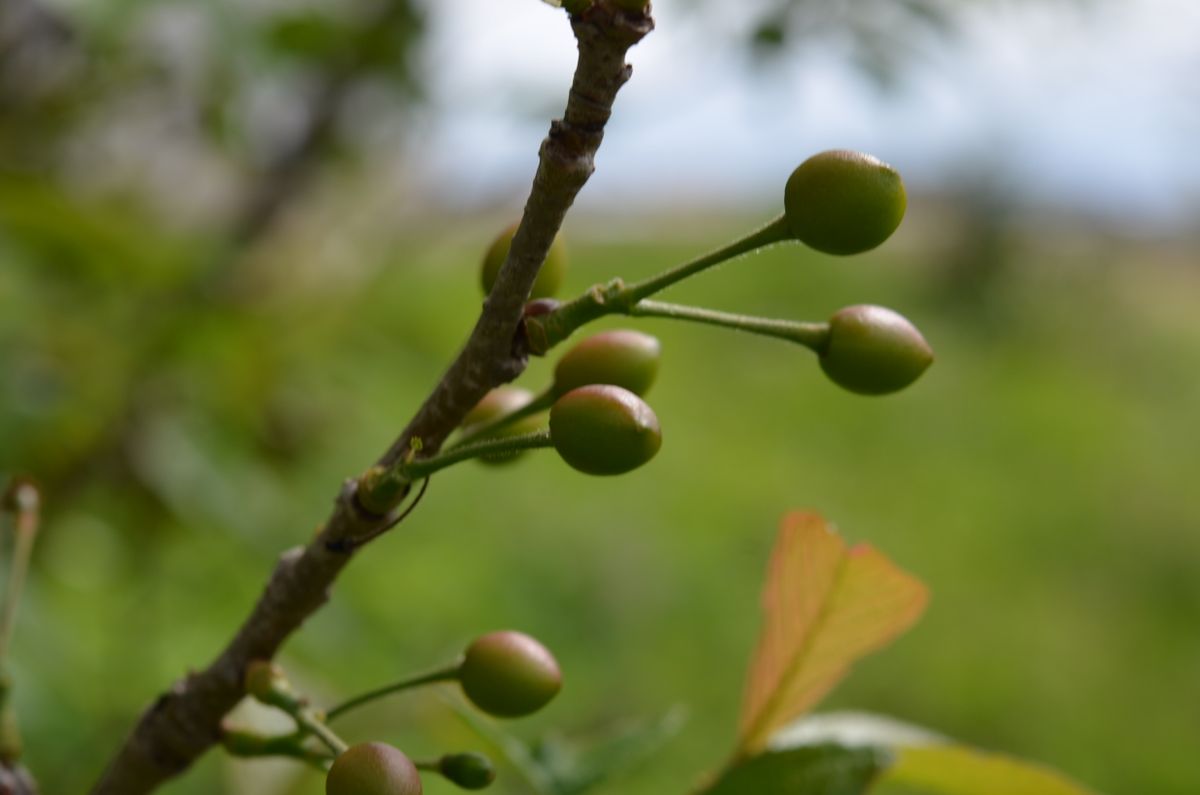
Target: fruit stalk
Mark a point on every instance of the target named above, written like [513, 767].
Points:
[810, 335]
[440, 675]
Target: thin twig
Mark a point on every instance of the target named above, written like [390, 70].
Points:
[184, 722]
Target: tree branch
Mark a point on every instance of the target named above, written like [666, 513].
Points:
[184, 722]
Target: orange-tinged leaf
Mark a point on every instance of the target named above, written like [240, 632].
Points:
[823, 608]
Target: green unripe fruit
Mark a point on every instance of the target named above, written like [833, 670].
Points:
[873, 351]
[373, 769]
[501, 401]
[549, 278]
[843, 202]
[604, 430]
[622, 358]
[468, 770]
[266, 682]
[509, 674]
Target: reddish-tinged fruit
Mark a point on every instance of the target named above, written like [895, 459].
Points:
[501, 401]
[623, 358]
[873, 351]
[509, 674]
[604, 430]
[843, 202]
[373, 769]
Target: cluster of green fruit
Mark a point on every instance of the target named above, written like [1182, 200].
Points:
[837, 202]
[506, 674]
[594, 416]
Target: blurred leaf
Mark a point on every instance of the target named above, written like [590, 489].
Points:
[309, 35]
[562, 765]
[924, 763]
[93, 239]
[958, 770]
[828, 769]
[577, 765]
[824, 607]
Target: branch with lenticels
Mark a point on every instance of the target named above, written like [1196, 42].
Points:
[184, 722]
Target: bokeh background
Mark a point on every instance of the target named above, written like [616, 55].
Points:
[239, 242]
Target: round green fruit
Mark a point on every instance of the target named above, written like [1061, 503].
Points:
[501, 401]
[261, 679]
[603, 429]
[373, 769]
[622, 358]
[549, 278]
[843, 202]
[509, 674]
[468, 770]
[873, 351]
[266, 682]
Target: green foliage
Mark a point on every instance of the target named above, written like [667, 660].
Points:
[562, 764]
[919, 762]
[815, 770]
[246, 406]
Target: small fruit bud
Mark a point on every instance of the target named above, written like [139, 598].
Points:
[604, 430]
[468, 770]
[549, 278]
[509, 674]
[872, 350]
[20, 497]
[623, 358]
[843, 202]
[372, 769]
[540, 306]
[500, 402]
[266, 682]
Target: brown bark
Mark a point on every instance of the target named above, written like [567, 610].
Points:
[184, 722]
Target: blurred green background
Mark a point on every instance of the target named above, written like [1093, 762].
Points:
[190, 388]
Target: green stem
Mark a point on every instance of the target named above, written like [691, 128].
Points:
[25, 503]
[249, 744]
[379, 484]
[774, 232]
[440, 675]
[811, 335]
[312, 723]
[540, 403]
[423, 468]
[543, 332]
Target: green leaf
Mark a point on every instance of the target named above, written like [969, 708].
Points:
[577, 765]
[925, 763]
[828, 769]
[824, 607]
[959, 770]
[562, 765]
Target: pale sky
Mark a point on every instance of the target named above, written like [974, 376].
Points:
[1097, 111]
